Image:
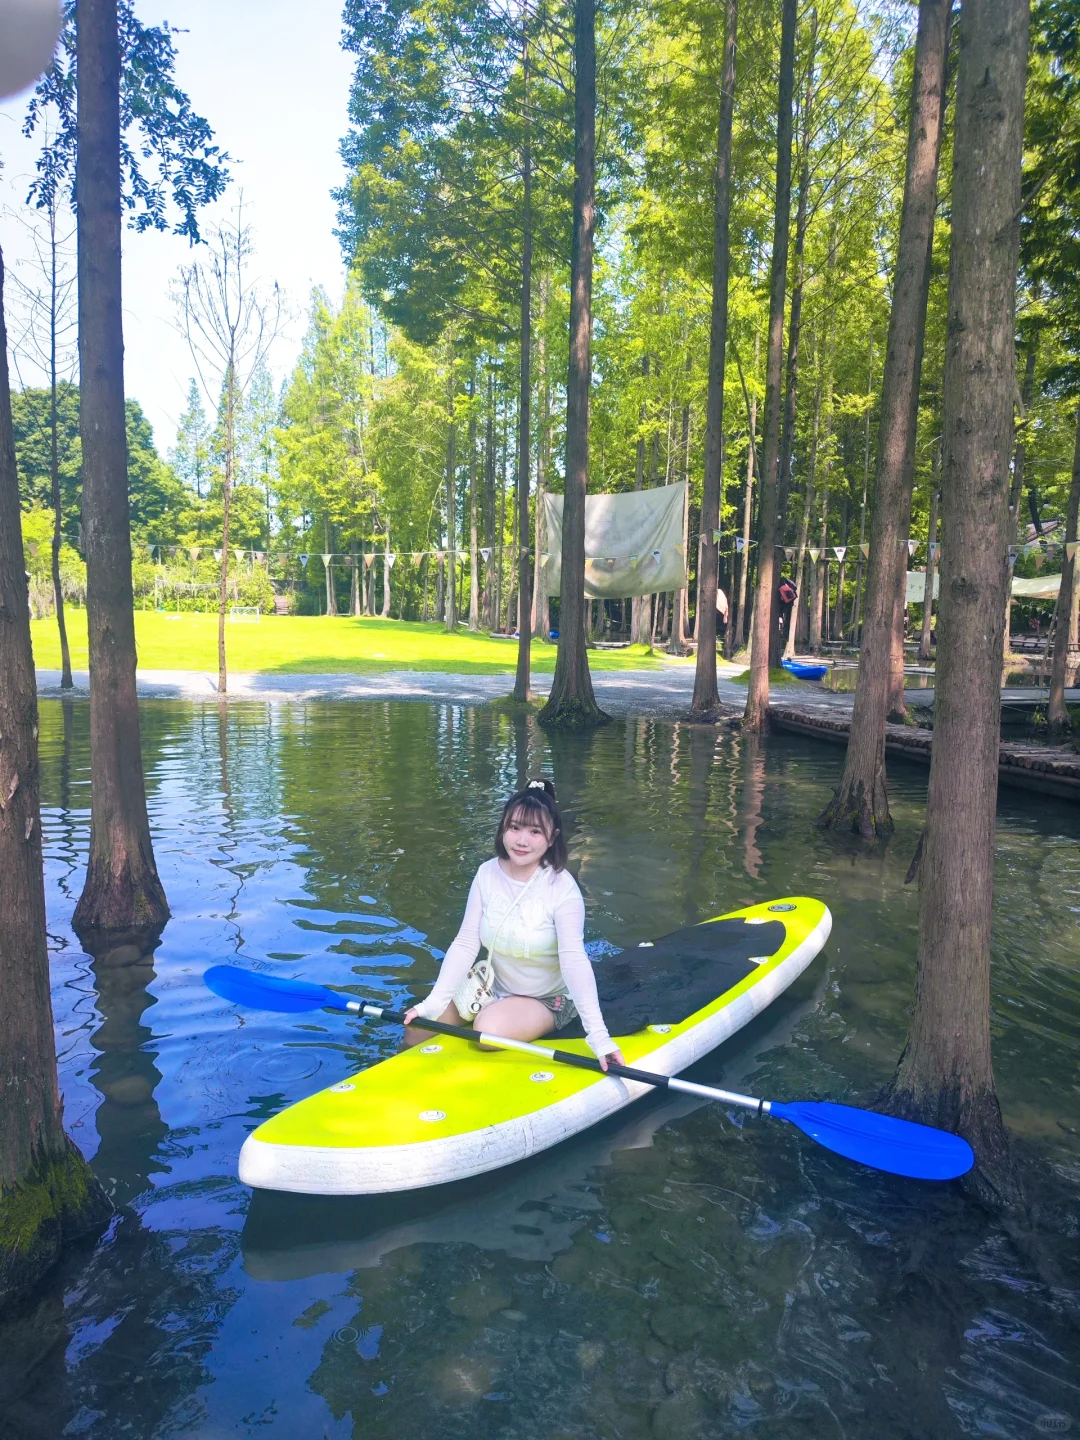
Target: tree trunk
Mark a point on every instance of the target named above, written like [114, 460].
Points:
[522, 693]
[856, 624]
[1019, 460]
[541, 624]
[328, 574]
[226, 507]
[66, 682]
[571, 703]
[706, 698]
[451, 501]
[641, 605]
[355, 562]
[741, 630]
[861, 803]
[48, 1194]
[1065, 614]
[680, 598]
[474, 554]
[766, 609]
[490, 616]
[386, 577]
[945, 1075]
[931, 565]
[800, 607]
[122, 889]
[787, 434]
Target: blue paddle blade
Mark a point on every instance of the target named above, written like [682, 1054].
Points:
[899, 1146]
[270, 992]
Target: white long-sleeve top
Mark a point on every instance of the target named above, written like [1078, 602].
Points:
[534, 933]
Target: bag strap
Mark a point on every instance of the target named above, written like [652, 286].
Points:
[517, 901]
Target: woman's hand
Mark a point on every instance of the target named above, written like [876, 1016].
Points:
[615, 1055]
[410, 1015]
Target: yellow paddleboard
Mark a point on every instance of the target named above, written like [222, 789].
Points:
[445, 1110]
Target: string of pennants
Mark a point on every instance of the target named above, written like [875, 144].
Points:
[1039, 547]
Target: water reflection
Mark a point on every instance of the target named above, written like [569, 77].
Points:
[679, 1272]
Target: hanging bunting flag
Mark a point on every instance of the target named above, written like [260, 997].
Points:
[193, 551]
[634, 560]
[369, 560]
[326, 560]
[789, 553]
[544, 557]
[485, 551]
[441, 554]
[1014, 551]
[390, 558]
[304, 559]
[716, 537]
[839, 551]
[656, 556]
[912, 546]
[217, 556]
[814, 553]
[740, 544]
[151, 549]
[864, 550]
[934, 546]
[1070, 548]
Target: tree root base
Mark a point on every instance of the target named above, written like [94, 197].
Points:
[851, 810]
[995, 1181]
[572, 714]
[59, 1203]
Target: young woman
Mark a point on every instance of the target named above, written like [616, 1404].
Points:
[525, 908]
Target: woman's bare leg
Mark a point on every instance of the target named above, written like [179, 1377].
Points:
[415, 1036]
[518, 1017]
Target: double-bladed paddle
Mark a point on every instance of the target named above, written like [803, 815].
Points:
[881, 1141]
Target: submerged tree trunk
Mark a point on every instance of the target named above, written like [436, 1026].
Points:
[521, 692]
[706, 698]
[945, 1076]
[122, 889]
[1065, 614]
[766, 606]
[861, 803]
[571, 703]
[48, 1194]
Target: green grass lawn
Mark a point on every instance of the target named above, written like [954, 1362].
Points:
[317, 645]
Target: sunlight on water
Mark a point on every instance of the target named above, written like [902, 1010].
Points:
[679, 1271]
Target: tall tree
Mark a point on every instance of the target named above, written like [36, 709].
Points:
[521, 693]
[50, 341]
[572, 703]
[190, 456]
[945, 1075]
[706, 698]
[229, 319]
[1057, 713]
[122, 889]
[48, 1194]
[757, 698]
[861, 803]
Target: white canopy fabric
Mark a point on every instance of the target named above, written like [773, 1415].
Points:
[1040, 587]
[633, 543]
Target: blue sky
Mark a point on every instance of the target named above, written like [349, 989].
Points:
[271, 78]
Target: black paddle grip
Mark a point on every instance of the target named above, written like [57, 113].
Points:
[625, 1072]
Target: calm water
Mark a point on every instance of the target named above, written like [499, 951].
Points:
[681, 1272]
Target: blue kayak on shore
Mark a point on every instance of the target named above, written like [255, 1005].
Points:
[805, 672]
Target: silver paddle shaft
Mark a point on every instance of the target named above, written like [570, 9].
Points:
[566, 1057]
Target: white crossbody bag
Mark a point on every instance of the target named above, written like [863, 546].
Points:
[478, 987]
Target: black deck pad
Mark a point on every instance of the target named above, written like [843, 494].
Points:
[665, 983]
